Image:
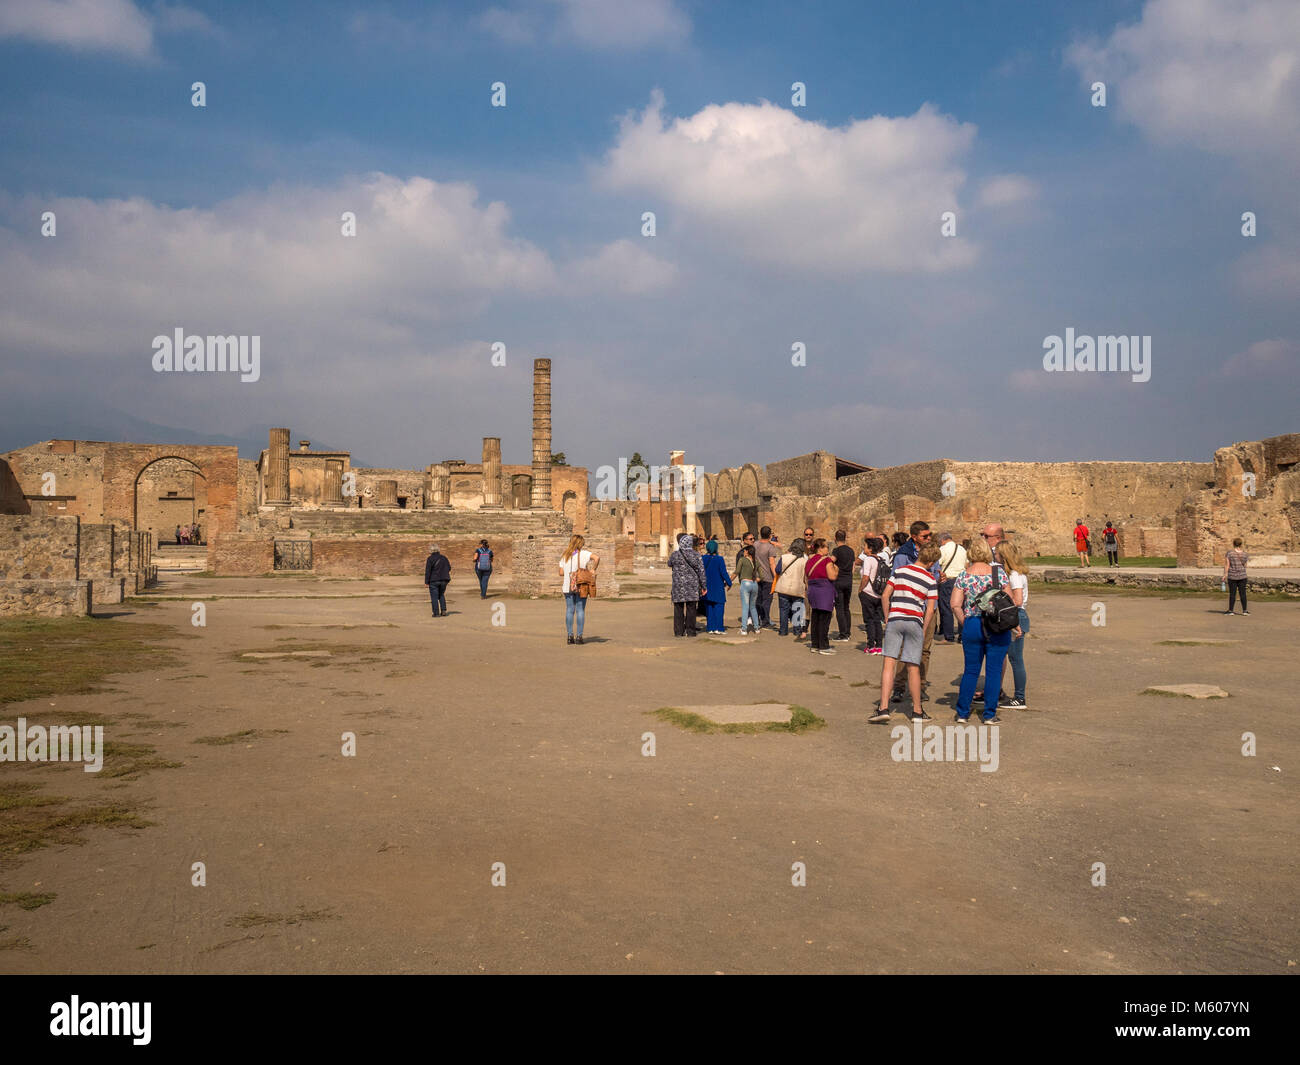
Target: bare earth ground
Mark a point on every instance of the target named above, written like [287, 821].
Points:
[479, 744]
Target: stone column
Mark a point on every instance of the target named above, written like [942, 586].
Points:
[439, 486]
[333, 496]
[492, 473]
[276, 483]
[386, 494]
[689, 490]
[541, 434]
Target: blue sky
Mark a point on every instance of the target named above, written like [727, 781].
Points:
[776, 224]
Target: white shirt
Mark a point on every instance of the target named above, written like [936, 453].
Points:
[579, 560]
[1019, 580]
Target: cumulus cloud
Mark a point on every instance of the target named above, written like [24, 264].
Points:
[1269, 272]
[83, 25]
[1223, 75]
[1006, 190]
[1265, 358]
[767, 184]
[625, 267]
[615, 25]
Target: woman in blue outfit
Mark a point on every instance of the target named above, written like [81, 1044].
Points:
[715, 590]
[979, 646]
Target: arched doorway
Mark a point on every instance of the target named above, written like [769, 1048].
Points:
[170, 491]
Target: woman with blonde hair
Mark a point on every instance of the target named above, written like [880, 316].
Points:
[575, 558]
[980, 647]
[1018, 589]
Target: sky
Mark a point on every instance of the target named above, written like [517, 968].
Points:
[872, 269]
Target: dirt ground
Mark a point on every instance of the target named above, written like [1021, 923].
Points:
[479, 743]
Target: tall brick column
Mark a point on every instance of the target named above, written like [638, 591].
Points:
[492, 473]
[386, 494]
[439, 487]
[277, 469]
[541, 434]
[333, 496]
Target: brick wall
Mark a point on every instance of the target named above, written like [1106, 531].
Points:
[536, 565]
[37, 548]
[377, 556]
[232, 555]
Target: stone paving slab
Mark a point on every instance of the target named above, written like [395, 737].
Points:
[1191, 691]
[287, 654]
[736, 715]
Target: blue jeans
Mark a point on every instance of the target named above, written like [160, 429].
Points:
[1016, 652]
[990, 650]
[437, 598]
[575, 609]
[483, 576]
[790, 613]
[749, 605]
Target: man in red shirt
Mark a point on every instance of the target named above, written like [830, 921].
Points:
[1081, 543]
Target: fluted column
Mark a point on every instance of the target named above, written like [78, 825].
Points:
[277, 469]
[333, 496]
[491, 473]
[439, 486]
[386, 494]
[541, 434]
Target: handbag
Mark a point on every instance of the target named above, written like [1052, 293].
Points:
[584, 583]
[998, 611]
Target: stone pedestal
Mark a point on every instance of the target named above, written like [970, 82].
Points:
[277, 469]
[541, 434]
[386, 494]
[491, 473]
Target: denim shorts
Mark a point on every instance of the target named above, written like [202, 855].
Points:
[904, 639]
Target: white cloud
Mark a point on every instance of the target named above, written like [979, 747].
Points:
[1223, 75]
[1269, 272]
[83, 25]
[613, 25]
[512, 27]
[177, 18]
[785, 190]
[1265, 358]
[1006, 190]
[625, 267]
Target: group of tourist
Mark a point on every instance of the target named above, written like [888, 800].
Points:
[1083, 543]
[437, 574]
[188, 534]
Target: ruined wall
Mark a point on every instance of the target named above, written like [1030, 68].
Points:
[33, 547]
[170, 492]
[236, 555]
[410, 486]
[569, 494]
[811, 475]
[375, 556]
[125, 464]
[45, 599]
[535, 569]
[78, 484]
[247, 488]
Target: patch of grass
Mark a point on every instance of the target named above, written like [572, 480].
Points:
[27, 900]
[17, 943]
[1154, 562]
[1191, 643]
[126, 761]
[33, 821]
[66, 656]
[240, 737]
[1100, 589]
[801, 720]
[252, 919]
[817, 672]
[1061, 651]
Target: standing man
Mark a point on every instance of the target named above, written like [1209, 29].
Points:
[766, 553]
[1081, 544]
[952, 560]
[437, 574]
[844, 558]
[909, 602]
[483, 566]
[1110, 535]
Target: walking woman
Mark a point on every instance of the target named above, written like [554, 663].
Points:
[575, 558]
[980, 647]
[715, 592]
[791, 586]
[821, 573]
[1018, 588]
[1234, 575]
[482, 566]
[747, 575]
[688, 584]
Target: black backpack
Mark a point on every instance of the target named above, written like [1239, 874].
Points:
[883, 573]
[997, 610]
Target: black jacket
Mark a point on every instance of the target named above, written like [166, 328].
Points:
[437, 567]
[844, 558]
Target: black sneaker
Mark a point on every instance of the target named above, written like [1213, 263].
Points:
[880, 717]
[994, 720]
[1015, 704]
[922, 716]
[570, 639]
[578, 640]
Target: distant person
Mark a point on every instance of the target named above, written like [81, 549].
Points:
[575, 563]
[437, 574]
[748, 540]
[701, 548]
[766, 551]
[981, 647]
[1234, 574]
[1018, 586]
[178, 536]
[873, 617]
[483, 566]
[952, 560]
[688, 584]
[909, 601]
[747, 574]
[1110, 537]
[821, 572]
[715, 591]
[844, 559]
[791, 587]
[1082, 545]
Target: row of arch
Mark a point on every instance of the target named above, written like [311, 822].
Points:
[734, 488]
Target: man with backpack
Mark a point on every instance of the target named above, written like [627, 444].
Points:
[1110, 537]
[483, 566]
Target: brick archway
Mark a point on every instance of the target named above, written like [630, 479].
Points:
[218, 466]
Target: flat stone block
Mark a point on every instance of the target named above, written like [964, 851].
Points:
[1191, 691]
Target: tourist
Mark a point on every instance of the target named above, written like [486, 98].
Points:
[952, 560]
[1018, 589]
[843, 558]
[766, 552]
[910, 549]
[1110, 536]
[1234, 575]
[715, 591]
[702, 607]
[981, 648]
[909, 602]
[745, 541]
[747, 575]
[1082, 545]
[821, 572]
[178, 536]
[574, 560]
[994, 536]
[688, 584]
[437, 573]
[791, 587]
[928, 560]
[483, 566]
[873, 617]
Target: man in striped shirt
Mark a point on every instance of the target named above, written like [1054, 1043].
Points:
[909, 602]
